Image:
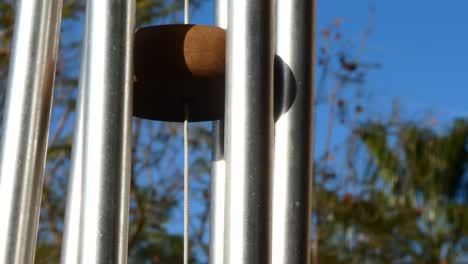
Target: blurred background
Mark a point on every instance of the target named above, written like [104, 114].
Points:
[391, 131]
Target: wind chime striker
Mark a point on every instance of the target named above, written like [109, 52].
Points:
[179, 76]
[178, 65]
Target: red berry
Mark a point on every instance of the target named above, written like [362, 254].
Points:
[340, 103]
[418, 211]
[348, 199]
[337, 21]
[325, 33]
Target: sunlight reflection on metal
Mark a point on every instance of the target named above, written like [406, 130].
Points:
[218, 195]
[249, 132]
[218, 178]
[292, 177]
[107, 96]
[26, 126]
[72, 228]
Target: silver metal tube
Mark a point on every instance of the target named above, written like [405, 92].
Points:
[249, 132]
[107, 131]
[72, 228]
[218, 175]
[221, 13]
[292, 180]
[26, 126]
[218, 195]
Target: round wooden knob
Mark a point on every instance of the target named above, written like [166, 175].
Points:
[175, 65]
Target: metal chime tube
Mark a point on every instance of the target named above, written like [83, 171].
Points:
[221, 13]
[24, 144]
[292, 180]
[218, 195]
[107, 112]
[72, 230]
[249, 132]
[218, 178]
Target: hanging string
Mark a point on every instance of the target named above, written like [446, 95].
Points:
[186, 163]
[186, 188]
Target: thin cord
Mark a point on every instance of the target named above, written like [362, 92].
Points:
[186, 162]
[186, 188]
[186, 12]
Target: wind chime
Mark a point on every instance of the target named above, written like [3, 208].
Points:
[262, 210]
[179, 76]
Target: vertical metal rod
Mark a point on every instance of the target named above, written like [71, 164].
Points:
[186, 11]
[292, 180]
[24, 143]
[218, 174]
[218, 195]
[107, 131]
[249, 132]
[186, 187]
[221, 13]
[72, 228]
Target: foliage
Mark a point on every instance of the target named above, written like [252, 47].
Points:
[394, 191]
[415, 216]
[397, 199]
[156, 183]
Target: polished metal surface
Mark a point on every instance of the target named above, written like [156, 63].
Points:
[221, 13]
[106, 131]
[218, 194]
[26, 125]
[249, 132]
[218, 173]
[292, 180]
[72, 230]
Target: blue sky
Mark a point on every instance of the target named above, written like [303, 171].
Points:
[421, 45]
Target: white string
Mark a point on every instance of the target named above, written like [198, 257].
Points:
[186, 188]
[186, 162]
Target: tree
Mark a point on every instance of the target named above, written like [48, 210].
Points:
[391, 192]
[397, 199]
[409, 213]
[156, 183]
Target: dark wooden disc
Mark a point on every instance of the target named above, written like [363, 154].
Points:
[176, 65]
